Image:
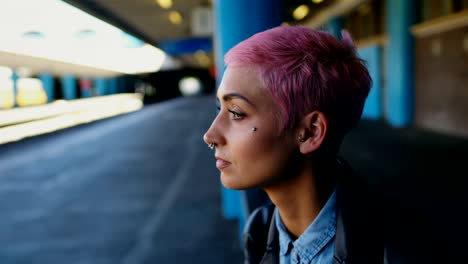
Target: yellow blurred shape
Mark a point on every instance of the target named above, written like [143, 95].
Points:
[6, 94]
[55, 116]
[164, 3]
[300, 12]
[175, 17]
[202, 58]
[30, 92]
[364, 9]
[317, 1]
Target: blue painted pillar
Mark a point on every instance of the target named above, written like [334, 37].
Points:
[234, 21]
[86, 88]
[69, 87]
[14, 78]
[118, 84]
[400, 56]
[112, 85]
[335, 25]
[100, 85]
[373, 105]
[48, 84]
[122, 84]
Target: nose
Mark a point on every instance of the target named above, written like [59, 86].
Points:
[209, 137]
[213, 135]
[206, 137]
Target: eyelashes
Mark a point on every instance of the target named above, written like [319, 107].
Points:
[236, 115]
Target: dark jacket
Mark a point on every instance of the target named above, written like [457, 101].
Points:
[358, 234]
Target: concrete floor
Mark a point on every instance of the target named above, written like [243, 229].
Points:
[139, 188]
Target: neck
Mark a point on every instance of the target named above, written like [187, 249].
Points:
[300, 197]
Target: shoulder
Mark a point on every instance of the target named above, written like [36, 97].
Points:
[360, 210]
[256, 230]
[258, 223]
[354, 192]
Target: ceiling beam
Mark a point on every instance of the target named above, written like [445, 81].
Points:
[38, 65]
[338, 8]
[97, 10]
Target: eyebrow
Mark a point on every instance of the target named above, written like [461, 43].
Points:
[231, 96]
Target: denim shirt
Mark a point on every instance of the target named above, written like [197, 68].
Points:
[316, 244]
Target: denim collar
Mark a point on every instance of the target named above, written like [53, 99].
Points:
[315, 237]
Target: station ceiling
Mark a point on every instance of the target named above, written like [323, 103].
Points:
[156, 25]
[144, 19]
[149, 21]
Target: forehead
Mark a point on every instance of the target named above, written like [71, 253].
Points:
[244, 81]
[241, 80]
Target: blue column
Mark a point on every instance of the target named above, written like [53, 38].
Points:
[125, 84]
[69, 87]
[100, 84]
[234, 21]
[48, 84]
[400, 55]
[112, 85]
[118, 84]
[86, 88]
[373, 106]
[14, 78]
[334, 26]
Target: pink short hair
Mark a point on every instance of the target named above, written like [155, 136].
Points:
[306, 70]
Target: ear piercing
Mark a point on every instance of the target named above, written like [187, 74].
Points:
[254, 129]
[301, 138]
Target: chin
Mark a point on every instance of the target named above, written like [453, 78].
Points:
[233, 183]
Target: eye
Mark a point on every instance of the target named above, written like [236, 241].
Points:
[236, 115]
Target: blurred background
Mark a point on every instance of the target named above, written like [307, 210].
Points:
[103, 105]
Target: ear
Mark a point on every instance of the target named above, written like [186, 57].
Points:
[312, 132]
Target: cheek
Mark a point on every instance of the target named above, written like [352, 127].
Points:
[260, 158]
[252, 146]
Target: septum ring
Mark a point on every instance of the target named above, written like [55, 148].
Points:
[211, 145]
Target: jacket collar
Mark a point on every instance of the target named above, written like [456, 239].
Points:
[272, 249]
[357, 239]
[341, 251]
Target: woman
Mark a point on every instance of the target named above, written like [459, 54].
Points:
[287, 98]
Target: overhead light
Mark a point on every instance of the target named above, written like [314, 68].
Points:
[166, 4]
[85, 41]
[33, 34]
[317, 1]
[175, 17]
[86, 33]
[300, 12]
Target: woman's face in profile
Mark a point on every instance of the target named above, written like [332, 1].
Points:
[250, 150]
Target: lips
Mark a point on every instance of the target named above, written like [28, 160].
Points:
[222, 164]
